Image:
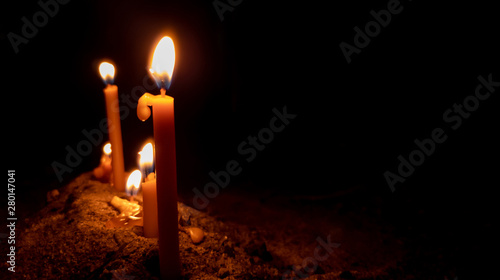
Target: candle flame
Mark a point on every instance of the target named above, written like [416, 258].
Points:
[133, 182]
[146, 159]
[146, 154]
[107, 71]
[162, 65]
[107, 149]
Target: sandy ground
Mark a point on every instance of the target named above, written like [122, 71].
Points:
[249, 234]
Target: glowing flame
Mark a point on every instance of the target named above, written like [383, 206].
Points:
[146, 159]
[107, 71]
[133, 182]
[162, 66]
[107, 149]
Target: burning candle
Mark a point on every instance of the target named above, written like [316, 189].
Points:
[106, 150]
[162, 67]
[146, 160]
[103, 171]
[149, 202]
[133, 183]
[107, 71]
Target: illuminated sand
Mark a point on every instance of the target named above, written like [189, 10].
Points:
[68, 239]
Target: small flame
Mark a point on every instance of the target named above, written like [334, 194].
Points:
[133, 182]
[162, 65]
[146, 159]
[107, 149]
[107, 71]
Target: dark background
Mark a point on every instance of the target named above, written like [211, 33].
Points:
[353, 120]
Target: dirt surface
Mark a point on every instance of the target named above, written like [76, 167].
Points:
[68, 239]
[247, 236]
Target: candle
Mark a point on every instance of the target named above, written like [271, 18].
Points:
[166, 175]
[106, 152]
[127, 208]
[107, 71]
[149, 203]
[129, 214]
[103, 171]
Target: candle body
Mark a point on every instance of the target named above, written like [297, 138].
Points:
[115, 136]
[166, 186]
[150, 209]
[103, 171]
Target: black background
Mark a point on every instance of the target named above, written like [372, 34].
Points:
[353, 119]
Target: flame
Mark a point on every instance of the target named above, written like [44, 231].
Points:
[162, 65]
[107, 149]
[146, 159]
[107, 71]
[146, 154]
[133, 182]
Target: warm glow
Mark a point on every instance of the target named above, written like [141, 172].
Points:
[162, 66]
[146, 155]
[146, 160]
[107, 149]
[133, 182]
[107, 71]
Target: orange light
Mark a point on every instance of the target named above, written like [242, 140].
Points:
[133, 182]
[146, 155]
[162, 64]
[146, 159]
[107, 71]
[107, 149]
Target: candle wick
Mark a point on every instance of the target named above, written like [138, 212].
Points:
[163, 91]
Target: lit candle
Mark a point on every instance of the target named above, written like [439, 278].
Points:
[106, 150]
[107, 71]
[149, 202]
[166, 175]
[130, 210]
[133, 182]
[103, 171]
